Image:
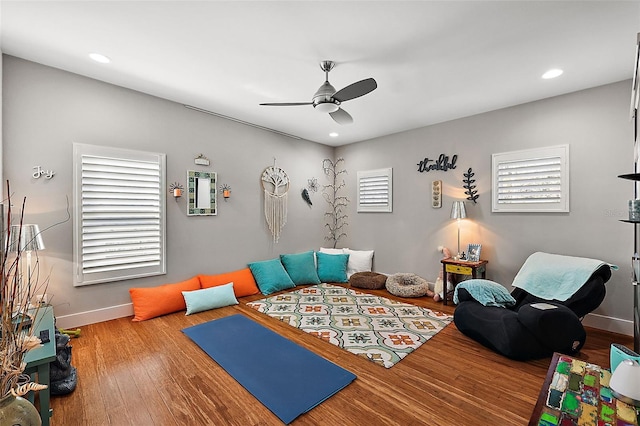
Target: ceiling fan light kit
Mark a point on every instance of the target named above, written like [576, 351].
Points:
[327, 107]
[328, 100]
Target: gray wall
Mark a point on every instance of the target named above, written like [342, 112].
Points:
[595, 123]
[46, 110]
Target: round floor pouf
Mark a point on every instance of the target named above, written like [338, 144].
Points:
[368, 280]
[407, 285]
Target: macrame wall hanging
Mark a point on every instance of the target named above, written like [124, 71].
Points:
[275, 183]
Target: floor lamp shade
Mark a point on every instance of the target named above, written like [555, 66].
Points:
[25, 239]
[28, 239]
[458, 210]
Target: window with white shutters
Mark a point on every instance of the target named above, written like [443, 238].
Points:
[119, 219]
[375, 190]
[534, 180]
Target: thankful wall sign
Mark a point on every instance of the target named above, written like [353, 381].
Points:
[442, 163]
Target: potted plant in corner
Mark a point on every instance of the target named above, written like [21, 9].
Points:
[16, 332]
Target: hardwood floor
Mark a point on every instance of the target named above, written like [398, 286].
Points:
[150, 373]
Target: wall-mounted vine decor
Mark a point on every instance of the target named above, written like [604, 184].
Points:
[336, 218]
[471, 192]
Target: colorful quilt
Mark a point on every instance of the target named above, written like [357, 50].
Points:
[577, 393]
[382, 330]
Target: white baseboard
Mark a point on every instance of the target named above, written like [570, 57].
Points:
[614, 325]
[92, 317]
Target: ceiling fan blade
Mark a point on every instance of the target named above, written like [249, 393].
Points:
[356, 90]
[287, 104]
[341, 116]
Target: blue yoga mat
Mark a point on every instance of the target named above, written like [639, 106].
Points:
[287, 378]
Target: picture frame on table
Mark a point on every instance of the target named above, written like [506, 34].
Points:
[473, 252]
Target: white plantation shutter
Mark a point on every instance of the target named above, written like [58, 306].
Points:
[120, 214]
[375, 190]
[535, 180]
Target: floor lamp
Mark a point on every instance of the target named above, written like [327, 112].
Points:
[25, 239]
[458, 212]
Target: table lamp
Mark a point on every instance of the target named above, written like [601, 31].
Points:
[625, 382]
[458, 212]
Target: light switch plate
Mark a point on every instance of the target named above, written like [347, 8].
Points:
[436, 194]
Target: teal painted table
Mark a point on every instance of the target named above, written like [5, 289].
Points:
[38, 360]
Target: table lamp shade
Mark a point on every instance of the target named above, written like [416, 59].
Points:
[28, 240]
[625, 382]
[458, 212]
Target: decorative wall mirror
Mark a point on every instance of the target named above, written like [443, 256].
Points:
[202, 193]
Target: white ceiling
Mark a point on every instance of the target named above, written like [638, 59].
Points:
[433, 60]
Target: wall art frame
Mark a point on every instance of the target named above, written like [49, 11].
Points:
[473, 252]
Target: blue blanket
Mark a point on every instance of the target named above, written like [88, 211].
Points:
[555, 277]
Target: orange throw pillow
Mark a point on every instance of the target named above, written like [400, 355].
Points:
[151, 302]
[243, 282]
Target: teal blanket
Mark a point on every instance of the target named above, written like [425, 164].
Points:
[555, 277]
[486, 292]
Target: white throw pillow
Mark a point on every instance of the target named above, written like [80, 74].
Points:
[332, 250]
[359, 261]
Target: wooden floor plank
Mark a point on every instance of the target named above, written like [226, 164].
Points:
[150, 373]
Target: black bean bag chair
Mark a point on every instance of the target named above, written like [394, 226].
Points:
[535, 327]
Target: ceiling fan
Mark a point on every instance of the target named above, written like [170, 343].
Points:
[327, 99]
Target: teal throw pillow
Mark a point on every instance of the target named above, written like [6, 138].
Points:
[486, 292]
[209, 298]
[332, 268]
[270, 276]
[301, 267]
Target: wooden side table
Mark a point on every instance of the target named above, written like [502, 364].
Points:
[460, 267]
[38, 360]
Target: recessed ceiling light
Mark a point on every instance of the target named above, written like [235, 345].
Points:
[552, 73]
[333, 134]
[99, 58]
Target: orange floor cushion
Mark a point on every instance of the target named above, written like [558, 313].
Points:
[151, 302]
[243, 282]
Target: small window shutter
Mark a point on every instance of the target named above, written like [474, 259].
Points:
[375, 190]
[120, 214]
[531, 180]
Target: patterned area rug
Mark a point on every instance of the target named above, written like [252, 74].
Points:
[382, 330]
